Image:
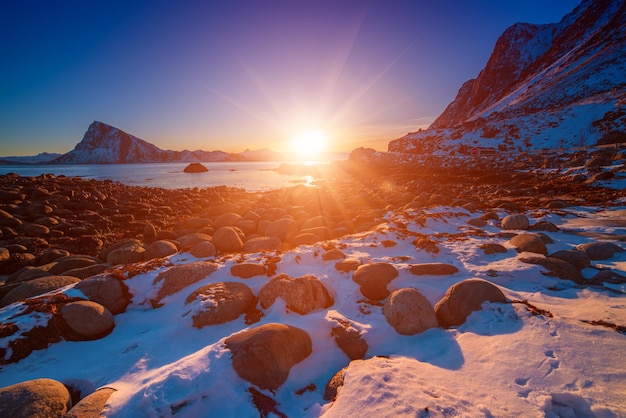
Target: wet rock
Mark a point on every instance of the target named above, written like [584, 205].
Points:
[88, 319]
[34, 398]
[409, 312]
[264, 355]
[463, 298]
[220, 302]
[373, 279]
[515, 221]
[302, 295]
[529, 243]
[247, 270]
[599, 250]
[435, 269]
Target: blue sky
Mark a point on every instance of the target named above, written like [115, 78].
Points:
[237, 74]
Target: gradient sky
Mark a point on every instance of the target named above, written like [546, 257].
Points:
[237, 74]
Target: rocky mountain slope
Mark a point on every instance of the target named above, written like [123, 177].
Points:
[105, 144]
[544, 86]
[41, 158]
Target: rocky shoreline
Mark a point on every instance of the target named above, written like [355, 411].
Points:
[59, 231]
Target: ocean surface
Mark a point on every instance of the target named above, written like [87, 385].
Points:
[252, 176]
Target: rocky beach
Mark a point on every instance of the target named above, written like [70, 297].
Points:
[73, 251]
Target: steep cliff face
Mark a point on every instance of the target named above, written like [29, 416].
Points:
[544, 86]
[105, 144]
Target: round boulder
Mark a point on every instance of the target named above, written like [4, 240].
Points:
[36, 287]
[260, 244]
[264, 355]
[409, 312]
[463, 298]
[302, 295]
[220, 302]
[434, 269]
[515, 221]
[159, 249]
[107, 291]
[599, 250]
[373, 279]
[91, 405]
[529, 243]
[284, 229]
[578, 259]
[203, 249]
[227, 240]
[34, 398]
[88, 319]
[247, 270]
[180, 276]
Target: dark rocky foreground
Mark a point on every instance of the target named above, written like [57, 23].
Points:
[58, 231]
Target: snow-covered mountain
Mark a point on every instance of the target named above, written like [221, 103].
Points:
[41, 158]
[544, 86]
[105, 144]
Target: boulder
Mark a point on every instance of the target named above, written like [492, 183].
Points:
[85, 272]
[578, 259]
[348, 265]
[409, 312]
[227, 240]
[180, 276]
[35, 230]
[348, 339]
[302, 295]
[149, 233]
[492, 248]
[203, 249]
[557, 267]
[4, 254]
[463, 298]
[226, 219]
[88, 319]
[195, 168]
[264, 355]
[529, 243]
[220, 302]
[434, 269]
[189, 240]
[284, 229]
[333, 254]
[333, 385]
[247, 270]
[106, 290]
[36, 287]
[260, 244]
[373, 279]
[91, 405]
[34, 398]
[515, 221]
[104, 254]
[599, 250]
[306, 238]
[160, 249]
[71, 262]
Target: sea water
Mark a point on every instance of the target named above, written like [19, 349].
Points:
[252, 176]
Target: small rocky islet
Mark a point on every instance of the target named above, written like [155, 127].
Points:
[92, 236]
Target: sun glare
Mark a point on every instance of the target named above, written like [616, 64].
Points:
[309, 145]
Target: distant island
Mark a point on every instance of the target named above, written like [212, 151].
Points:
[105, 144]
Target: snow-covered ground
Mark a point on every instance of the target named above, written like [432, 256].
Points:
[503, 361]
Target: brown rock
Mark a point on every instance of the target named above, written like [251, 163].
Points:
[301, 295]
[220, 302]
[557, 267]
[88, 319]
[159, 249]
[92, 405]
[36, 287]
[264, 355]
[529, 243]
[373, 279]
[34, 398]
[434, 269]
[247, 270]
[203, 249]
[227, 240]
[516, 221]
[409, 312]
[333, 385]
[261, 244]
[180, 276]
[349, 339]
[463, 298]
[107, 291]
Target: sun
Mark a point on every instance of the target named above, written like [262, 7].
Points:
[309, 145]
